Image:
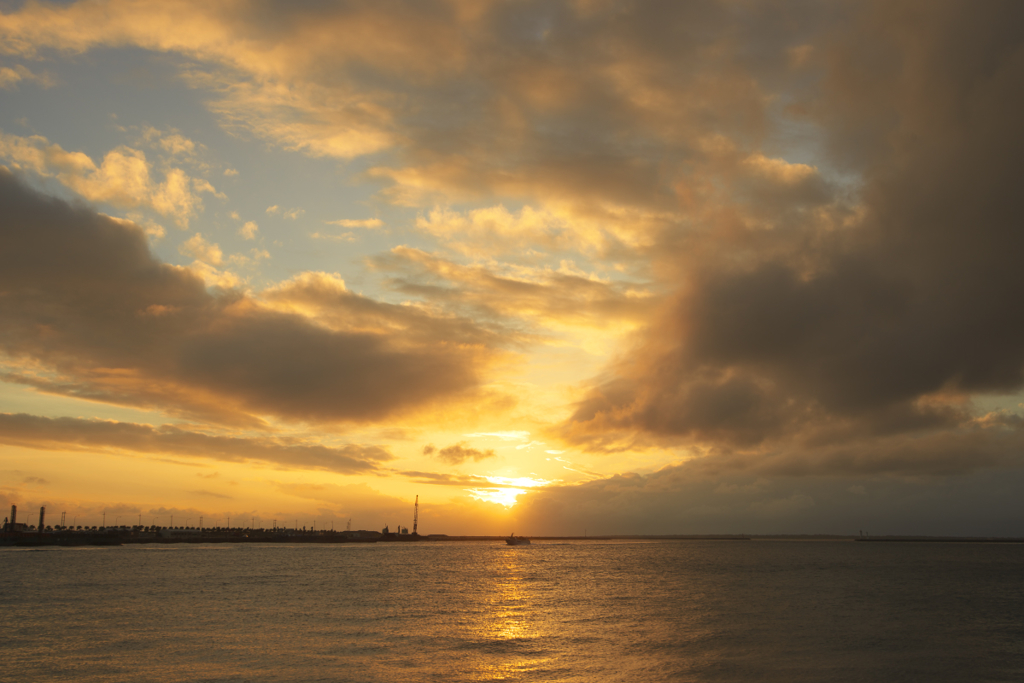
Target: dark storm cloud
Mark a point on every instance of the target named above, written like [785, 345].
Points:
[276, 364]
[74, 434]
[86, 305]
[688, 499]
[889, 324]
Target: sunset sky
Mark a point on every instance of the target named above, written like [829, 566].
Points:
[554, 267]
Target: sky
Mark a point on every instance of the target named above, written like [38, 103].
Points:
[558, 268]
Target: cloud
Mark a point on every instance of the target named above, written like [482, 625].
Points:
[10, 77]
[817, 209]
[344, 237]
[294, 214]
[198, 248]
[322, 119]
[541, 295]
[211, 494]
[690, 499]
[458, 453]
[248, 231]
[434, 478]
[595, 114]
[201, 185]
[171, 142]
[357, 223]
[515, 435]
[496, 230]
[89, 312]
[177, 145]
[325, 298]
[122, 179]
[165, 513]
[121, 509]
[75, 434]
[213, 277]
[600, 127]
[869, 335]
[154, 231]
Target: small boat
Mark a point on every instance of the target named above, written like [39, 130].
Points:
[517, 540]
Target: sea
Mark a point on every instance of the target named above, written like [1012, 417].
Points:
[648, 611]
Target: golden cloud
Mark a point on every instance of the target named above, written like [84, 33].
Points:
[122, 179]
[76, 434]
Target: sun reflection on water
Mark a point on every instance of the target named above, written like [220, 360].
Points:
[507, 625]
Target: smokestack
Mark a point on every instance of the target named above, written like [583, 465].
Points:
[14, 516]
[42, 515]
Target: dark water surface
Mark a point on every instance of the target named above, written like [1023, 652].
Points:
[580, 611]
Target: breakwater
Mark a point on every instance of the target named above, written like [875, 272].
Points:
[128, 536]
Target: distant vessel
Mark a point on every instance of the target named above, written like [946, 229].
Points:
[517, 540]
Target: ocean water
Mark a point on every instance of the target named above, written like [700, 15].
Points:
[476, 611]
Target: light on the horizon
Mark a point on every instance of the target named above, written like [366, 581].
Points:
[515, 435]
[506, 497]
[523, 482]
[507, 489]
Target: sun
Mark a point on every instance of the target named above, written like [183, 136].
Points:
[507, 489]
[506, 497]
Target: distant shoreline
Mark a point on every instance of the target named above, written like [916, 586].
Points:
[33, 540]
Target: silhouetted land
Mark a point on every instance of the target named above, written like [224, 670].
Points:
[130, 536]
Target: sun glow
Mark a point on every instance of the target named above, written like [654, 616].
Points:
[507, 489]
[506, 497]
[504, 436]
[523, 482]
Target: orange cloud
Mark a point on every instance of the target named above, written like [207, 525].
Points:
[457, 454]
[122, 178]
[75, 434]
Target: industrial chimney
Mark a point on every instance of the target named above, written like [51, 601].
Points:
[42, 515]
[14, 516]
